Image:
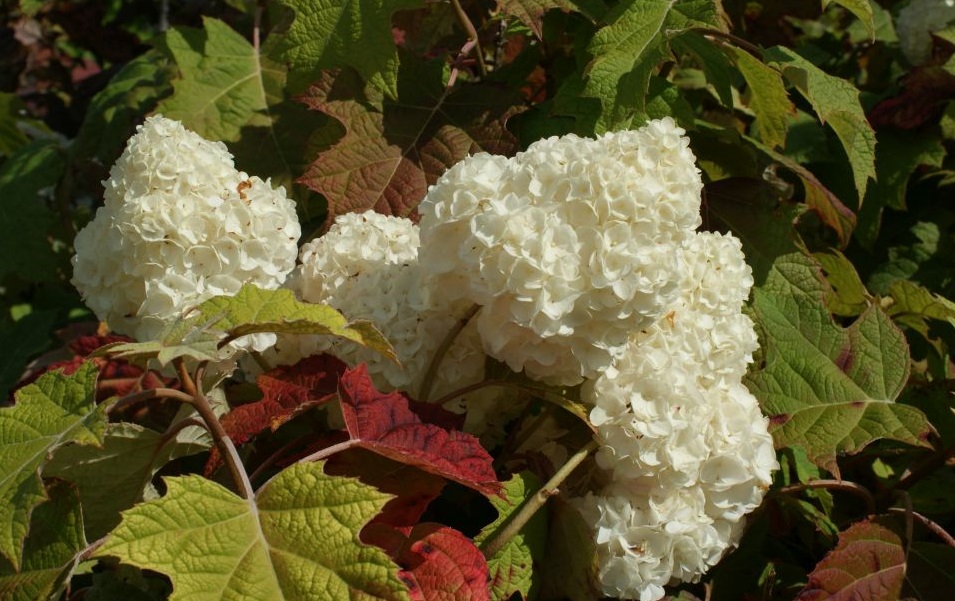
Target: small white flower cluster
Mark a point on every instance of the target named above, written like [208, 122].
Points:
[568, 247]
[366, 266]
[683, 441]
[916, 23]
[179, 225]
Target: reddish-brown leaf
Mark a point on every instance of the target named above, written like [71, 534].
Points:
[925, 90]
[531, 12]
[442, 564]
[393, 150]
[387, 425]
[286, 392]
[868, 564]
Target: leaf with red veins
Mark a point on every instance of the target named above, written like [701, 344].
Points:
[868, 564]
[393, 150]
[385, 424]
[441, 563]
[286, 392]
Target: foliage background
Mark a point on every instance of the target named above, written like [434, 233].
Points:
[814, 135]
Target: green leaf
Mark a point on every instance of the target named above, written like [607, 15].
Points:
[929, 575]
[847, 294]
[124, 583]
[297, 539]
[766, 96]
[531, 12]
[115, 111]
[512, 568]
[328, 34]
[569, 568]
[861, 9]
[50, 551]
[913, 304]
[716, 66]
[26, 178]
[629, 48]
[115, 477]
[836, 101]
[826, 388]
[54, 410]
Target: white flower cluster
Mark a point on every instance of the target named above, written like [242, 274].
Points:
[366, 266]
[179, 225]
[916, 23]
[683, 441]
[568, 247]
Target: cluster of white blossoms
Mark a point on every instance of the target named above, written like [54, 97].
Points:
[179, 225]
[683, 441]
[567, 247]
[916, 23]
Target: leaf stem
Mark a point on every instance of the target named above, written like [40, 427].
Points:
[442, 350]
[472, 34]
[178, 427]
[152, 393]
[934, 527]
[187, 382]
[518, 520]
[851, 487]
[271, 459]
[724, 37]
[329, 451]
[223, 442]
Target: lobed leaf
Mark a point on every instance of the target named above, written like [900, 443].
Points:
[385, 424]
[51, 550]
[826, 388]
[297, 539]
[868, 564]
[512, 568]
[767, 98]
[53, 411]
[441, 563]
[861, 9]
[393, 150]
[329, 34]
[118, 475]
[836, 102]
[531, 12]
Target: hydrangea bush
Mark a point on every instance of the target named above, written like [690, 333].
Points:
[478, 301]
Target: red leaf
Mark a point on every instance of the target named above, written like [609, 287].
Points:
[925, 90]
[868, 564]
[386, 424]
[286, 392]
[443, 564]
[413, 488]
[393, 150]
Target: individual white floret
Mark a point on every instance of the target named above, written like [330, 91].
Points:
[179, 225]
[916, 23]
[568, 246]
[366, 266]
[683, 441]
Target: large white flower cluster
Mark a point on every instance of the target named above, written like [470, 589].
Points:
[568, 247]
[366, 266]
[683, 441]
[916, 23]
[179, 225]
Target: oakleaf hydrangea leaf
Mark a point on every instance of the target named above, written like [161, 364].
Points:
[441, 563]
[868, 565]
[512, 568]
[53, 411]
[116, 476]
[628, 50]
[531, 12]
[767, 98]
[385, 424]
[836, 101]
[297, 539]
[255, 310]
[861, 9]
[286, 392]
[393, 150]
[826, 388]
[50, 551]
[328, 34]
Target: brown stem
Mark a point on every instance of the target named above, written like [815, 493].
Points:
[223, 442]
[518, 520]
[472, 34]
[184, 377]
[442, 350]
[329, 451]
[178, 427]
[851, 487]
[737, 41]
[923, 468]
[152, 393]
[935, 528]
